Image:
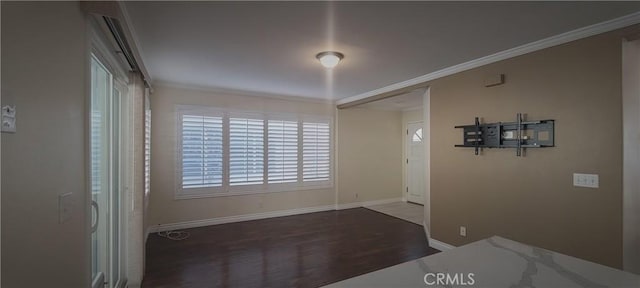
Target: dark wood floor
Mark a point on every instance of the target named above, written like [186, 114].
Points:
[307, 250]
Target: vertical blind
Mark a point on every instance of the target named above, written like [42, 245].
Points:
[316, 151]
[283, 151]
[96, 149]
[201, 151]
[246, 151]
[147, 148]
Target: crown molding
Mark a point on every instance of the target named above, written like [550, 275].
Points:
[224, 91]
[559, 39]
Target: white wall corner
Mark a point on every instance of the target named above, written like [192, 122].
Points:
[146, 235]
[631, 156]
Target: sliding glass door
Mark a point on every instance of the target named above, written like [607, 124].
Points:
[106, 175]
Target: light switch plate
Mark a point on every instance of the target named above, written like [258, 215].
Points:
[586, 180]
[65, 207]
[9, 119]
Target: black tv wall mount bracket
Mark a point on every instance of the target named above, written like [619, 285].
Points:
[520, 135]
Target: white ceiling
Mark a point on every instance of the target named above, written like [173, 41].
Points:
[270, 47]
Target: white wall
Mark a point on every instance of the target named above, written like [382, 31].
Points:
[369, 155]
[631, 154]
[44, 68]
[164, 209]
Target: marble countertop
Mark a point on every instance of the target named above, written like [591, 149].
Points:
[495, 262]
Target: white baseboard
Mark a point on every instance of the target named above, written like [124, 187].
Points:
[433, 243]
[263, 215]
[367, 203]
[348, 205]
[380, 202]
[237, 218]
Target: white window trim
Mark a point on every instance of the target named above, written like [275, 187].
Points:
[226, 189]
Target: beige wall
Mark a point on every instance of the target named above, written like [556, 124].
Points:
[163, 209]
[369, 155]
[408, 116]
[44, 58]
[531, 199]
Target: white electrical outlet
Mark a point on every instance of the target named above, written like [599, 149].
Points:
[463, 231]
[586, 180]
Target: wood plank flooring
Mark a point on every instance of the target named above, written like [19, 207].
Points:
[308, 250]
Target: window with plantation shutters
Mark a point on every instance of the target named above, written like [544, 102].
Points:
[201, 150]
[224, 152]
[283, 151]
[246, 151]
[316, 155]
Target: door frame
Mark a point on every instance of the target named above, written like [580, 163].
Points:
[98, 47]
[631, 155]
[426, 134]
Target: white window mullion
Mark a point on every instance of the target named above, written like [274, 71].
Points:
[300, 153]
[225, 149]
[265, 152]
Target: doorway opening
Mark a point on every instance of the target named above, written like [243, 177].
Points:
[413, 153]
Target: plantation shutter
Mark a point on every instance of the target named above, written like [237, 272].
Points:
[316, 151]
[246, 151]
[201, 151]
[282, 151]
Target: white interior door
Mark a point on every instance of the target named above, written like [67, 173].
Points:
[415, 163]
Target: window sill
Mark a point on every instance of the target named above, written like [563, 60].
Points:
[238, 191]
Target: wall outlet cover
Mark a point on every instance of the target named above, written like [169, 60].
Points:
[586, 180]
[65, 207]
[463, 231]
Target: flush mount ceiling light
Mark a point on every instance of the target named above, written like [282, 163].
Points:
[329, 59]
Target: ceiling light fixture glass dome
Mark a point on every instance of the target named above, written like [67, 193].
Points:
[329, 59]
